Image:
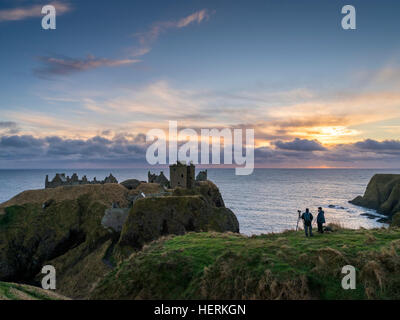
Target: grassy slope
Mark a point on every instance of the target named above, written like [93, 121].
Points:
[286, 266]
[14, 291]
[103, 193]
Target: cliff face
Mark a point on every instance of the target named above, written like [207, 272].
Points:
[151, 218]
[66, 234]
[62, 227]
[382, 194]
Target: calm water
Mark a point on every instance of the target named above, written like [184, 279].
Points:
[266, 201]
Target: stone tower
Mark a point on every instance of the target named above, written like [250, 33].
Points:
[182, 175]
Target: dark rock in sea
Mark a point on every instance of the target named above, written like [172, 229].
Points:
[332, 206]
[369, 215]
[373, 216]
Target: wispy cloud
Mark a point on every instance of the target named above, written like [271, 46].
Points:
[66, 65]
[137, 52]
[56, 66]
[160, 27]
[275, 115]
[22, 13]
[146, 38]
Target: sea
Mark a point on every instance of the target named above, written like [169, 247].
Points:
[264, 202]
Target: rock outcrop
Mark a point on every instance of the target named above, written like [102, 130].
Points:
[114, 218]
[382, 194]
[151, 218]
[207, 189]
[130, 184]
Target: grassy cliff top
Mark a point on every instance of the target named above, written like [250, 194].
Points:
[14, 291]
[103, 193]
[276, 266]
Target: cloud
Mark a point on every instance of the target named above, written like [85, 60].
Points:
[146, 38]
[126, 149]
[343, 156]
[281, 115]
[8, 127]
[26, 147]
[198, 17]
[160, 27]
[66, 65]
[24, 141]
[7, 124]
[137, 52]
[386, 146]
[300, 145]
[22, 13]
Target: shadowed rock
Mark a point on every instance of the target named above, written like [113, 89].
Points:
[131, 184]
[151, 218]
[382, 194]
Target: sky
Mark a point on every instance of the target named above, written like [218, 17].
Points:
[85, 95]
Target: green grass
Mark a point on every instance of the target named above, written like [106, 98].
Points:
[13, 291]
[287, 265]
[5, 292]
[10, 216]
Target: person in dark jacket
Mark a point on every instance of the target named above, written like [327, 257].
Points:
[320, 220]
[307, 218]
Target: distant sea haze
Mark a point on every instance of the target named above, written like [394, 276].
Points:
[264, 202]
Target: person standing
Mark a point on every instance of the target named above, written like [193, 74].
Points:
[320, 220]
[308, 218]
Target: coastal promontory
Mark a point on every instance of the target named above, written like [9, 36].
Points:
[382, 194]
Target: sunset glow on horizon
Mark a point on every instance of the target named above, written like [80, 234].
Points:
[316, 96]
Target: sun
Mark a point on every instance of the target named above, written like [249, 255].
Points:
[334, 135]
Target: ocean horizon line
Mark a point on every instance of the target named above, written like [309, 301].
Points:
[197, 166]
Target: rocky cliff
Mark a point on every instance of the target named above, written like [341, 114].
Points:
[151, 218]
[382, 194]
[62, 227]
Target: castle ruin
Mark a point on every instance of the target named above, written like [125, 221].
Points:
[182, 175]
[61, 180]
[202, 176]
[161, 179]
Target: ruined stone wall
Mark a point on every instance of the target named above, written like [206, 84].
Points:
[61, 180]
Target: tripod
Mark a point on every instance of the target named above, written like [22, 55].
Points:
[298, 219]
